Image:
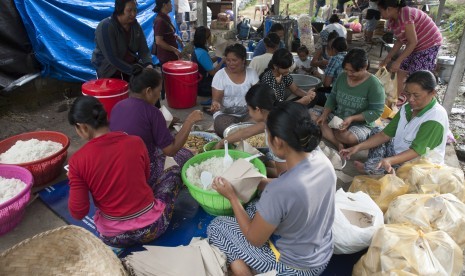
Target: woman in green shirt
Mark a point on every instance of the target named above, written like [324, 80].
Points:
[357, 98]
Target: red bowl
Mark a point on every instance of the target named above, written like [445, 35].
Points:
[46, 169]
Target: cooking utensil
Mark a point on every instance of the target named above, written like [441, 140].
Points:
[253, 157]
[206, 178]
[227, 160]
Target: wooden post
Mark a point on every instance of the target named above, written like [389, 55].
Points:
[276, 7]
[312, 4]
[442, 3]
[456, 77]
[202, 13]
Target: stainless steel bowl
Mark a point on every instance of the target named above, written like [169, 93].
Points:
[235, 127]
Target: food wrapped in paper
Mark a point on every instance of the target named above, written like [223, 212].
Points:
[335, 122]
[401, 250]
[430, 212]
[382, 189]
[244, 178]
[356, 219]
[246, 147]
[425, 177]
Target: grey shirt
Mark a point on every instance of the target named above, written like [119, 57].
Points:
[301, 204]
[111, 44]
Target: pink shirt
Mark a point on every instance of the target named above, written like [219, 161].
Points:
[428, 34]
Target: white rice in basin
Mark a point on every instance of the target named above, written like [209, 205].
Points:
[29, 150]
[213, 165]
[9, 188]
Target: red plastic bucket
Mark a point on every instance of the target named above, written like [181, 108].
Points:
[181, 78]
[107, 91]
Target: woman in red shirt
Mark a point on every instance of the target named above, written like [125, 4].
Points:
[128, 210]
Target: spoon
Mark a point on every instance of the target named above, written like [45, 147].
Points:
[206, 178]
[227, 160]
[253, 157]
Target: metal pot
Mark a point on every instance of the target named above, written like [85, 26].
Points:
[445, 64]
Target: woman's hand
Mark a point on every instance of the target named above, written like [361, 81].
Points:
[215, 106]
[224, 188]
[195, 116]
[307, 99]
[220, 144]
[395, 66]
[386, 164]
[321, 119]
[346, 123]
[177, 52]
[347, 153]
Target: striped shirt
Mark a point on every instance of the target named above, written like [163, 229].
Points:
[428, 34]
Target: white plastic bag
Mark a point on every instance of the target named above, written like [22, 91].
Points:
[430, 212]
[356, 219]
[167, 115]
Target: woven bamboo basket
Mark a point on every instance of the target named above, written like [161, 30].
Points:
[67, 250]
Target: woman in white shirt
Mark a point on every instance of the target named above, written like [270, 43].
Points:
[229, 87]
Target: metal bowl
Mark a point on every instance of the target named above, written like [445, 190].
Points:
[305, 82]
[235, 127]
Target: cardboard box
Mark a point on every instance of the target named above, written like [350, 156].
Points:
[222, 25]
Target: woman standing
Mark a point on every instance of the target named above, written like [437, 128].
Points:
[128, 211]
[138, 116]
[357, 97]
[120, 42]
[229, 87]
[418, 32]
[165, 45]
[277, 77]
[202, 38]
[289, 228]
[420, 124]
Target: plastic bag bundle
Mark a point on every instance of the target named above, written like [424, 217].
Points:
[425, 177]
[306, 33]
[356, 219]
[401, 250]
[430, 213]
[382, 189]
[389, 82]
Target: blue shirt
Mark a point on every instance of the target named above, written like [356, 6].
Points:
[335, 66]
[260, 48]
[204, 59]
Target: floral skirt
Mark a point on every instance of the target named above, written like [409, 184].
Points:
[421, 60]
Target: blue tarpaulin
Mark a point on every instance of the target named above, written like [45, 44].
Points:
[62, 33]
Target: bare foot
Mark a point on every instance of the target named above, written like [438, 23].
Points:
[360, 167]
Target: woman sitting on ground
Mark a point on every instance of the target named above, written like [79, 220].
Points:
[277, 77]
[202, 38]
[229, 87]
[260, 100]
[137, 115]
[260, 63]
[357, 97]
[420, 124]
[113, 167]
[289, 228]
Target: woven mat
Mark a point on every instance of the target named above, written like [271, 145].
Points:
[189, 220]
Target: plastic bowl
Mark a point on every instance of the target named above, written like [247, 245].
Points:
[211, 146]
[12, 210]
[46, 169]
[211, 201]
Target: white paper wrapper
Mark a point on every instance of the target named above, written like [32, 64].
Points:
[167, 114]
[336, 122]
